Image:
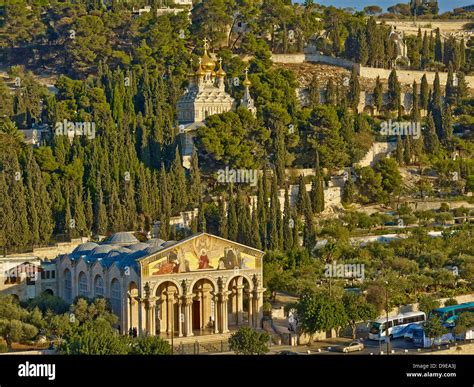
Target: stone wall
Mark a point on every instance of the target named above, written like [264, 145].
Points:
[376, 152]
[404, 76]
[407, 76]
[312, 57]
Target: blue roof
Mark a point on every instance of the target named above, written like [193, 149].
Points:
[454, 307]
[122, 254]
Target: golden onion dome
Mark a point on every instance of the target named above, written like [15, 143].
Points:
[206, 61]
[221, 73]
[200, 72]
[247, 82]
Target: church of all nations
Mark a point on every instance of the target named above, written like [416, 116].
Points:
[199, 286]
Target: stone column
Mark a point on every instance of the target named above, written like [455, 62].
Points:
[250, 322]
[180, 323]
[170, 311]
[224, 315]
[216, 314]
[240, 304]
[188, 322]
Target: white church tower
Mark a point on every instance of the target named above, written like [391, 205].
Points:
[247, 99]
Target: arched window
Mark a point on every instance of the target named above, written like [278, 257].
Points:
[115, 296]
[67, 286]
[98, 286]
[82, 284]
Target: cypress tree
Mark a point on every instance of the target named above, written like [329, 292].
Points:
[262, 210]
[232, 219]
[438, 50]
[222, 218]
[317, 189]
[178, 187]
[354, 90]
[424, 93]
[314, 93]
[415, 112]
[378, 95]
[431, 140]
[450, 90]
[407, 153]
[399, 150]
[275, 223]
[288, 224]
[331, 97]
[348, 191]
[255, 233]
[394, 91]
[195, 189]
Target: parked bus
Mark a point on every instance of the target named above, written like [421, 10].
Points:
[396, 325]
[449, 314]
[420, 339]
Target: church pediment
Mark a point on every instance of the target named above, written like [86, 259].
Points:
[201, 252]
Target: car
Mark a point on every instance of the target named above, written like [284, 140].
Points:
[351, 347]
[287, 353]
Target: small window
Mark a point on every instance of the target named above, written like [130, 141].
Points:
[42, 275]
[53, 274]
[48, 273]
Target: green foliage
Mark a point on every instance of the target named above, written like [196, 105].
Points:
[427, 303]
[434, 328]
[247, 341]
[320, 313]
[150, 345]
[94, 338]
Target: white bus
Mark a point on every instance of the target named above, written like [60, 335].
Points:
[396, 325]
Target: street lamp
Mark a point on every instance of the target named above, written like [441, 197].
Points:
[387, 336]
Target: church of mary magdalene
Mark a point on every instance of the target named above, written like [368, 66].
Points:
[205, 96]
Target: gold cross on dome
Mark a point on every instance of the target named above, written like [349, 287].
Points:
[206, 45]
